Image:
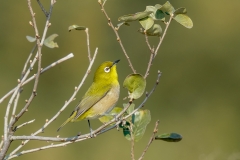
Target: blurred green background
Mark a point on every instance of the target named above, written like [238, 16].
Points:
[198, 94]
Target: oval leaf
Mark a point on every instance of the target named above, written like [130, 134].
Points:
[181, 10]
[146, 22]
[31, 39]
[135, 83]
[108, 117]
[76, 27]
[156, 13]
[134, 17]
[131, 107]
[156, 30]
[166, 8]
[184, 20]
[49, 42]
[141, 120]
[169, 137]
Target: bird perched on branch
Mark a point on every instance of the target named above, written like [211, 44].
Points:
[101, 96]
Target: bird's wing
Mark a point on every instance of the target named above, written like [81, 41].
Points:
[91, 97]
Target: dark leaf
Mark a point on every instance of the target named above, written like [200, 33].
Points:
[169, 137]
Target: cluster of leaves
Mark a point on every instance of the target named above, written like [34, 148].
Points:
[157, 13]
[48, 42]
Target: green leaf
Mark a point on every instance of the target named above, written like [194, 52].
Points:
[156, 13]
[146, 22]
[31, 39]
[169, 137]
[76, 27]
[135, 83]
[134, 17]
[141, 120]
[131, 107]
[155, 30]
[166, 8]
[108, 117]
[184, 20]
[181, 10]
[49, 42]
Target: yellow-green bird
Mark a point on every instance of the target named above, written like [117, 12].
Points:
[101, 97]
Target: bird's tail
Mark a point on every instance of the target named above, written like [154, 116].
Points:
[68, 120]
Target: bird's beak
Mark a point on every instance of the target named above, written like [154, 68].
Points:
[115, 62]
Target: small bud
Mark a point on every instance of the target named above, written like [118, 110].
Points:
[26, 101]
[30, 22]
[26, 110]
[100, 2]
[49, 24]
[74, 99]
[66, 101]
[46, 120]
[118, 39]
[19, 80]
[41, 69]
[75, 88]
[30, 61]
[57, 136]
[22, 142]
[109, 24]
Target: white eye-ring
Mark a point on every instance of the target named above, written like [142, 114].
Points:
[106, 69]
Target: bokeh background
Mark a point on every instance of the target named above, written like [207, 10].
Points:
[198, 94]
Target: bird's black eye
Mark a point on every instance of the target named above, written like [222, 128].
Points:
[106, 69]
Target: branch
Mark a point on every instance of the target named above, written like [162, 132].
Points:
[151, 140]
[88, 45]
[65, 105]
[24, 124]
[41, 6]
[42, 71]
[132, 141]
[117, 35]
[164, 33]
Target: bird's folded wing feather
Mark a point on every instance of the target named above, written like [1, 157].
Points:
[91, 97]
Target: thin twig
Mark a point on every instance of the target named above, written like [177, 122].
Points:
[118, 37]
[151, 140]
[164, 33]
[24, 124]
[132, 141]
[88, 45]
[15, 105]
[43, 9]
[1, 143]
[27, 61]
[148, 44]
[65, 105]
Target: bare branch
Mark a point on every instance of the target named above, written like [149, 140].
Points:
[164, 33]
[41, 6]
[42, 71]
[132, 141]
[118, 37]
[24, 124]
[65, 105]
[88, 45]
[151, 140]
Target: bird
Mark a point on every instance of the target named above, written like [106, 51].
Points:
[100, 98]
